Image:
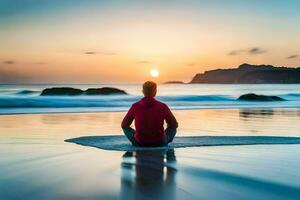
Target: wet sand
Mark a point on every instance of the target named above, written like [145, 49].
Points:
[36, 163]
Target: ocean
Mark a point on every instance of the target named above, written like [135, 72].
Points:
[37, 162]
[17, 99]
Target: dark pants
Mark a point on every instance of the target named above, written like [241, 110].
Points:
[170, 134]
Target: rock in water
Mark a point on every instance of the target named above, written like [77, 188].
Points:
[255, 97]
[74, 91]
[61, 91]
[104, 91]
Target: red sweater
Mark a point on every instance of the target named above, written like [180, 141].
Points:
[149, 115]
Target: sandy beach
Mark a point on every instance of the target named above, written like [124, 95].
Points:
[37, 163]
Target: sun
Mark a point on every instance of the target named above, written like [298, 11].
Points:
[154, 73]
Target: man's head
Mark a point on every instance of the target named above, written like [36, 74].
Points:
[149, 89]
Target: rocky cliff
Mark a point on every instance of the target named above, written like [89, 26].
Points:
[250, 74]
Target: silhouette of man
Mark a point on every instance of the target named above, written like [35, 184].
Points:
[149, 115]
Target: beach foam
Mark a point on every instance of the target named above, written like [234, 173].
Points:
[18, 99]
[48, 104]
[120, 143]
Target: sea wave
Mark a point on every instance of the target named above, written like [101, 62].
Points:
[26, 92]
[99, 101]
[63, 102]
[190, 98]
[30, 103]
[293, 95]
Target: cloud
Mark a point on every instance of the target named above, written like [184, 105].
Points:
[256, 50]
[251, 51]
[100, 53]
[292, 56]
[191, 64]
[143, 62]
[235, 52]
[90, 52]
[9, 62]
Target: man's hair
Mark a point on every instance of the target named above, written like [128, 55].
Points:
[149, 89]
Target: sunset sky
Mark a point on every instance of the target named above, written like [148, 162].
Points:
[76, 41]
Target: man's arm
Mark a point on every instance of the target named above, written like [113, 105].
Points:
[170, 119]
[171, 126]
[128, 119]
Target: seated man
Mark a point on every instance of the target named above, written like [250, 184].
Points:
[149, 115]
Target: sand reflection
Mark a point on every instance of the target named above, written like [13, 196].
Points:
[148, 175]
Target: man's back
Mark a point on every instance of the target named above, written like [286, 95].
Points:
[149, 115]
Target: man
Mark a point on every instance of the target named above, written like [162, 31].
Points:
[149, 115]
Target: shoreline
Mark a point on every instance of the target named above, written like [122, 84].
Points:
[33, 148]
[254, 121]
[177, 109]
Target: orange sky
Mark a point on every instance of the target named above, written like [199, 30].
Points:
[120, 42]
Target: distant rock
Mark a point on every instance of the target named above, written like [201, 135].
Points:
[255, 97]
[174, 82]
[61, 91]
[74, 91]
[250, 74]
[104, 91]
